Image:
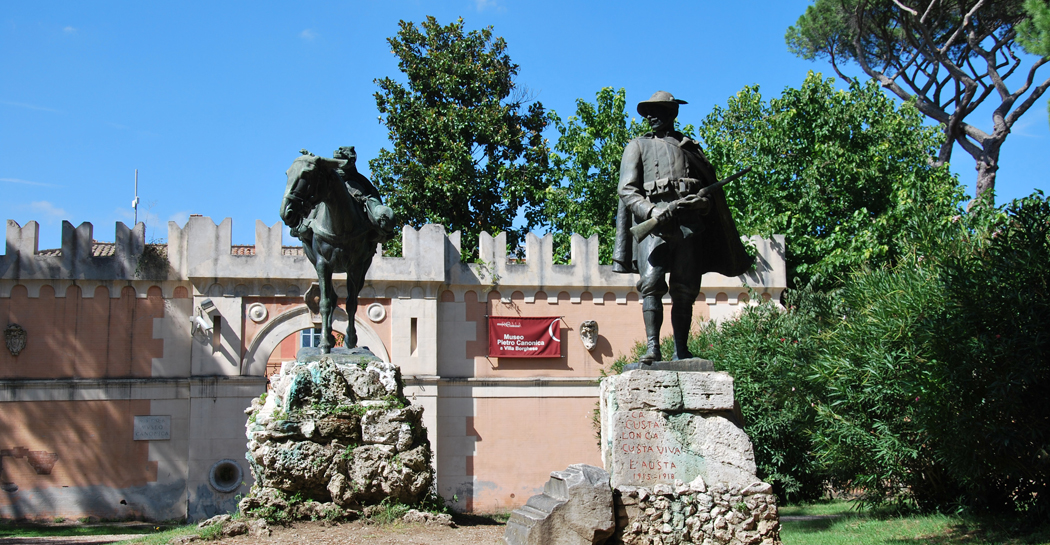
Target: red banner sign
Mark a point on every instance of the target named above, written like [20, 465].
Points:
[516, 337]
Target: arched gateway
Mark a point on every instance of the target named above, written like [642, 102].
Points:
[296, 319]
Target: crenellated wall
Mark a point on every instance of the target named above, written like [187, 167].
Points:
[76, 260]
[203, 253]
[110, 341]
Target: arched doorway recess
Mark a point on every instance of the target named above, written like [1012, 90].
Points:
[298, 318]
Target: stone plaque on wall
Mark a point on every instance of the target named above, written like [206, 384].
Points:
[152, 428]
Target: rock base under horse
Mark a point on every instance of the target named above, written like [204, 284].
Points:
[333, 436]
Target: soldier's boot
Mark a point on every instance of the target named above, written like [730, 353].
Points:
[653, 316]
[681, 321]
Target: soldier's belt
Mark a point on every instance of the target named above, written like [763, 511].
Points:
[676, 186]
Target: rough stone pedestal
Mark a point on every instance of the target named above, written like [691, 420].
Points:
[576, 508]
[338, 430]
[681, 466]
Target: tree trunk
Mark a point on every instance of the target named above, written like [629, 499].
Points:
[987, 166]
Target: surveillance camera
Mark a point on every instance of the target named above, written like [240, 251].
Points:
[202, 325]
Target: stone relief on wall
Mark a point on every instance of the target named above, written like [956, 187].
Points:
[15, 337]
[589, 334]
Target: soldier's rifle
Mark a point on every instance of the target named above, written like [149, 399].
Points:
[646, 228]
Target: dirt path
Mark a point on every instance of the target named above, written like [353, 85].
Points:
[355, 533]
[468, 532]
[67, 540]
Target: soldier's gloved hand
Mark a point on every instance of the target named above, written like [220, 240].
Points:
[699, 204]
[663, 211]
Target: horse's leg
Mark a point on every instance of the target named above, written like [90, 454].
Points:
[351, 309]
[355, 280]
[324, 277]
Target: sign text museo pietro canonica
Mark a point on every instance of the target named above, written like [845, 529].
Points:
[529, 337]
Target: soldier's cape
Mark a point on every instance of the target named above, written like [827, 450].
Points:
[719, 243]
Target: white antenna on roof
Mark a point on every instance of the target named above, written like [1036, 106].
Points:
[135, 203]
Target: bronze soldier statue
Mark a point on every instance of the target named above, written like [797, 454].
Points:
[662, 177]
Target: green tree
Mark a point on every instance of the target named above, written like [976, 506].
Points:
[945, 56]
[587, 166]
[844, 175]
[1034, 33]
[933, 381]
[467, 152]
[877, 373]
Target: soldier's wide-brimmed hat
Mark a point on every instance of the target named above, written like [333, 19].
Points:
[661, 99]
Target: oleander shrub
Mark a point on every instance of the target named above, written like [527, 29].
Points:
[922, 384]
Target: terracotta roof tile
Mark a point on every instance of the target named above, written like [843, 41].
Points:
[102, 249]
[244, 249]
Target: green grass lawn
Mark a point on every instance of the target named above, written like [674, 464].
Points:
[841, 524]
[162, 537]
[29, 529]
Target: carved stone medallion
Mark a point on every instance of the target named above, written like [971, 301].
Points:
[15, 337]
[257, 313]
[376, 312]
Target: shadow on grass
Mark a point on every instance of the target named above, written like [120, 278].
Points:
[496, 519]
[804, 524]
[882, 527]
[986, 530]
[36, 529]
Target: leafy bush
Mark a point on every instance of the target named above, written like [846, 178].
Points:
[877, 375]
[768, 350]
[996, 421]
[921, 383]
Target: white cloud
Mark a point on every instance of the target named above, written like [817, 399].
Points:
[1026, 127]
[29, 106]
[145, 215]
[483, 5]
[69, 30]
[26, 182]
[308, 35]
[180, 217]
[50, 212]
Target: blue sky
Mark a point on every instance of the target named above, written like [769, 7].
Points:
[212, 101]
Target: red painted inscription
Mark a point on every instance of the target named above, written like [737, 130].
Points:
[643, 444]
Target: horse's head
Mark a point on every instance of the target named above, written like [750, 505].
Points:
[308, 185]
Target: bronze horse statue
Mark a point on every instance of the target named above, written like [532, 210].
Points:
[340, 218]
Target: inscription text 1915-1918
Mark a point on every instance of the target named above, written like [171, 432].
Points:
[648, 447]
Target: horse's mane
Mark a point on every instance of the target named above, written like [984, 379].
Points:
[302, 165]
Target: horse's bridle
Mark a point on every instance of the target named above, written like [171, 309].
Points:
[302, 203]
